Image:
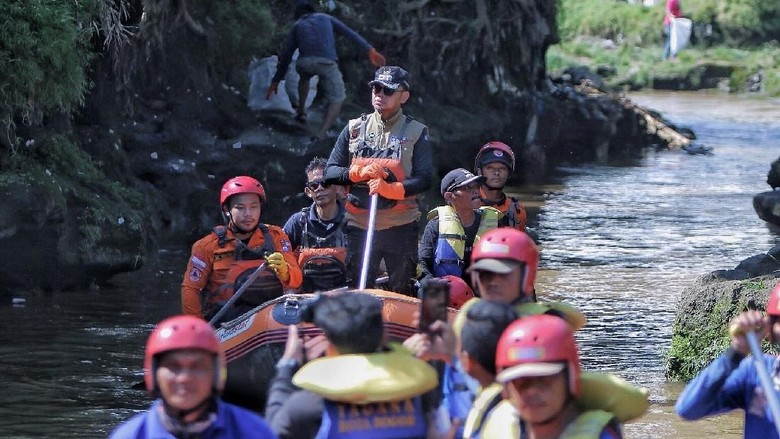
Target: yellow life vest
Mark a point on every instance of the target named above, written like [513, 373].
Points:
[607, 392]
[588, 425]
[572, 315]
[484, 404]
[367, 378]
[451, 246]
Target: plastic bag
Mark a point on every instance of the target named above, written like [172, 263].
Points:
[680, 34]
[260, 73]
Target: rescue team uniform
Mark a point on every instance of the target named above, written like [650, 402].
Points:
[321, 247]
[352, 396]
[515, 214]
[446, 245]
[230, 421]
[732, 382]
[400, 145]
[494, 417]
[487, 415]
[219, 259]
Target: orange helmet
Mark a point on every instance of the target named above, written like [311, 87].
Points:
[182, 332]
[494, 152]
[773, 305]
[460, 291]
[538, 345]
[509, 244]
[241, 185]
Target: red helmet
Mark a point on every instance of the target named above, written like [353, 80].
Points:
[182, 332]
[512, 244]
[773, 305]
[241, 185]
[536, 339]
[460, 291]
[494, 152]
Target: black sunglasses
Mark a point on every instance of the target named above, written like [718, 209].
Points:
[314, 184]
[376, 88]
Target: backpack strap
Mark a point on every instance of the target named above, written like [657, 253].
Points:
[221, 232]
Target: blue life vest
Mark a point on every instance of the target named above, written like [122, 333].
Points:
[451, 245]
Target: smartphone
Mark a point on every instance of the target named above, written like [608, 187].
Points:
[434, 299]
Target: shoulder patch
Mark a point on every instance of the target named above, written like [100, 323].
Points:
[197, 262]
[196, 274]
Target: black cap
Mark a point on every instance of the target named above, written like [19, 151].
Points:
[457, 178]
[391, 77]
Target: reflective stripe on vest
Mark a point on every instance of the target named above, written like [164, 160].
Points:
[451, 245]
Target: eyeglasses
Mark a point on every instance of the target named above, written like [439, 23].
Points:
[314, 184]
[376, 89]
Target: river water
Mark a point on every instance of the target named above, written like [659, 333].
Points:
[619, 242]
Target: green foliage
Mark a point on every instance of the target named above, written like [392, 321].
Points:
[737, 22]
[69, 176]
[617, 20]
[43, 56]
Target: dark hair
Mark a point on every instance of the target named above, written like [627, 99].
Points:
[352, 321]
[485, 322]
[302, 8]
[316, 163]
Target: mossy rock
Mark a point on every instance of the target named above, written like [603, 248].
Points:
[700, 330]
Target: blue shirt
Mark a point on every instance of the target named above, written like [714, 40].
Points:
[313, 36]
[232, 422]
[729, 384]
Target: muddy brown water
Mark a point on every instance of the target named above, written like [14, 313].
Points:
[618, 242]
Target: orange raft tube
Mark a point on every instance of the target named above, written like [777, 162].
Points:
[254, 342]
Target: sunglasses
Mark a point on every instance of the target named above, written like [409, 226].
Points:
[313, 185]
[376, 89]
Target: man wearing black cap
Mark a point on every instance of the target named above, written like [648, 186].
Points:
[386, 153]
[445, 247]
[312, 35]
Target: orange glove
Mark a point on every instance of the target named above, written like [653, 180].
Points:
[355, 171]
[391, 191]
[376, 58]
[272, 90]
[373, 170]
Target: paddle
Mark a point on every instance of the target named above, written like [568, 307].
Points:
[237, 294]
[766, 380]
[369, 239]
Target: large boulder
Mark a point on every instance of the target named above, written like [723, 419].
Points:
[700, 329]
[767, 204]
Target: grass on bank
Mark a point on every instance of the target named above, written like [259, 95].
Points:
[629, 37]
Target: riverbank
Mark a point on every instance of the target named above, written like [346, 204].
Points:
[733, 49]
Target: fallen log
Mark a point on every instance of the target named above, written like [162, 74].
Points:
[653, 125]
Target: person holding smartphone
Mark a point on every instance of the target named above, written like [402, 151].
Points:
[362, 387]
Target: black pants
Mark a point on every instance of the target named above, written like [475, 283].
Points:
[396, 245]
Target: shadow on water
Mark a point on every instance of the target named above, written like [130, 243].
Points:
[618, 242]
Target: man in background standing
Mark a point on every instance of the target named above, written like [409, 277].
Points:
[671, 11]
[313, 35]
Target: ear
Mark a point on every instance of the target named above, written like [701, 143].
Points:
[449, 196]
[405, 96]
[466, 362]
[309, 193]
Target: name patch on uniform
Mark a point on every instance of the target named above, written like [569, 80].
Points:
[197, 262]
